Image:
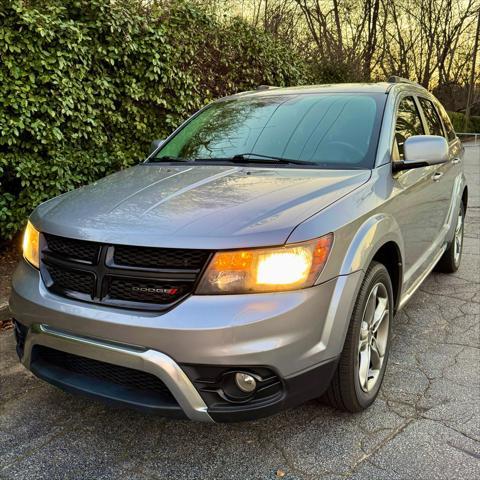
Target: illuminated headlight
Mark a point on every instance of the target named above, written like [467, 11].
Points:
[31, 241]
[289, 267]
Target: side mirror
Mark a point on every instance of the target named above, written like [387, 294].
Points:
[154, 145]
[422, 151]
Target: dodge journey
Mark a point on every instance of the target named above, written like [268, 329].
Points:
[255, 260]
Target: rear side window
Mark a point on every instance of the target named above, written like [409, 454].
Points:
[447, 123]
[433, 120]
[409, 123]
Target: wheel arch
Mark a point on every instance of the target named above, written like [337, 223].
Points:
[378, 238]
[389, 256]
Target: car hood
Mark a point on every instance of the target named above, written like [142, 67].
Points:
[201, 206]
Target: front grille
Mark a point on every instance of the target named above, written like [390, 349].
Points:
[71, 280]
[159, 257]
[74, 249]
[106, 372]
[119, 275]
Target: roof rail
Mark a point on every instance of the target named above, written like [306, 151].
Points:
[265, 87]
[397, 79]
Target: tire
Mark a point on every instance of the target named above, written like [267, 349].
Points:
[346, 391]
[451, 259]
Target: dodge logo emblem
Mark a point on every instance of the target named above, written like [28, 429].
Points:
[162, 291]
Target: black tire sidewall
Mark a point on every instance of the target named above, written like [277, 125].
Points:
[377, 273]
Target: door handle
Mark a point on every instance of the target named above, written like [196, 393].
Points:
[437, 176]
[456, 160]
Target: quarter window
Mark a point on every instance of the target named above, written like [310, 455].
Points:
[409, 123]
[433, 120]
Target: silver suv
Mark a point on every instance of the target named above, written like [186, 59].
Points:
[254, 261]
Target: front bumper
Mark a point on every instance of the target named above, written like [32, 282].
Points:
[297, 336]
[150, 361]
[182, 399]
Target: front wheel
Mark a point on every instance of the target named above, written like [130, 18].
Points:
[361, 367]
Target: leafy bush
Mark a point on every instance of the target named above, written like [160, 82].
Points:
[85, 85]
[458, 122]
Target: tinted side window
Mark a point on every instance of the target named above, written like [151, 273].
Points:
[433, 120]
[408, 123]
[447, 123]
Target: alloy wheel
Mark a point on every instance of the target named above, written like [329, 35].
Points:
[374, 331]
[458, 240]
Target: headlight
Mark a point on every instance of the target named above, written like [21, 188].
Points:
[266, 269]
[31, 242]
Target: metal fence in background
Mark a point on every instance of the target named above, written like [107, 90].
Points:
[470, 139]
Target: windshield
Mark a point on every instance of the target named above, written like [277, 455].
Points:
[326, 130]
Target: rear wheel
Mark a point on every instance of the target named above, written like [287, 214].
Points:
[361, 367]
[450, 261]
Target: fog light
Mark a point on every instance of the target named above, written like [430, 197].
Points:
[246, 383]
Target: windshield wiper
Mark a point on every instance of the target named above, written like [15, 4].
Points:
[168, 158]
[243, 158]
[260, 158]
[240, 158]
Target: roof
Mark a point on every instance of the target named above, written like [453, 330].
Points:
[380, 87]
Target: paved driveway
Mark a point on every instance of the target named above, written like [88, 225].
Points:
[425, 425]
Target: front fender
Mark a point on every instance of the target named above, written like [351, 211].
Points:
[372, 234]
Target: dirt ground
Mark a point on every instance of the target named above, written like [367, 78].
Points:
[9, 257]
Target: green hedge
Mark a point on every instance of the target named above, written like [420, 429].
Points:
[85, 85]
[458, 121]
